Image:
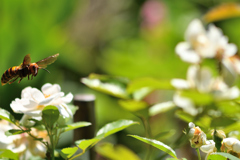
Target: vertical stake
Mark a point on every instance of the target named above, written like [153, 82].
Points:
[85, 112]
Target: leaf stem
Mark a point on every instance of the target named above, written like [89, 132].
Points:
[148, 135]
[198, 153]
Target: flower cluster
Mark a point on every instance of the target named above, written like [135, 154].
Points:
[199, 45]
[23, 143]
[198, 139]
[32, 141]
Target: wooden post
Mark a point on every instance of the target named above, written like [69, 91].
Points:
[85, 112]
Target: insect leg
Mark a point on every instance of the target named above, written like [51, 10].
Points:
[20, 79]
[13, 80]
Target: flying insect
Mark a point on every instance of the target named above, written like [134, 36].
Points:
[26, 69]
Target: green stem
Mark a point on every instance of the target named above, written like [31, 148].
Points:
[52, 146]
[198, 153]
[148, 135]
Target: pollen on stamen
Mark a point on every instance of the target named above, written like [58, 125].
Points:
[47, 95]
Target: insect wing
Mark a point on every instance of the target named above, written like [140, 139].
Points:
[49, 60]
[26, 60]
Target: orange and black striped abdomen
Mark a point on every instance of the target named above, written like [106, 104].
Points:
[9, 74]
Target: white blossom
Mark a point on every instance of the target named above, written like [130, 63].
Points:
[201, 43]
[22, 143]
[33, 101]
[201, 80]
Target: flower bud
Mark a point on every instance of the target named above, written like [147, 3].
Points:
[197, 136]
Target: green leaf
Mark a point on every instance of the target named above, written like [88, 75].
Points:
[161, 108]
[118, 152]
[157, 144]
[165, 134]
[147, 82]
[76, 125]
[15, 131]
[110, 85]
[197, 97]
[50, 115]
[105, 131]
[222, 122]
[68, 152]
[4, 114]
[184, 116]
[222, 156]
[114, 127]
[86, 143]
[132, 105]
[5, 153]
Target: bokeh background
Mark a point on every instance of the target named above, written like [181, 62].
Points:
[130, 38]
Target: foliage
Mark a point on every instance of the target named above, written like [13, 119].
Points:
[132, 46]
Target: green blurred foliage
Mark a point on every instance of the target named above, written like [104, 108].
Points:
[109, 37]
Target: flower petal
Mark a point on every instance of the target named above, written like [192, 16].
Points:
[37, 95]
[49, 89]
[208, 147]
[64, 110]
[180, 83]
[186, 104]
[23, 105]
[194, 29]
[183, 49]
[68, 98]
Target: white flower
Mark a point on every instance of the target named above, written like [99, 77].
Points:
[201, 44]
[209, 147]
[197, 136]
[10, 142]
[201, 80]
[197, 78]
[230, 69]
[22, 143]
[33, 101]
[232, 144]
[185, 103]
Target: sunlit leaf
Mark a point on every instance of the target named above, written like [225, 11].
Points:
[157, 144]
[5, 153]
[222, 12]
[141, 93]
[118, 152]
[50, 115]
[109, 85]
[149, 83]
[105, 131]
[176, 159]
[114, 127]
[132, 105]
[4, 114]
[86, 143]
[68, 152]
[161, 108]
[222, 156]
[76, 125]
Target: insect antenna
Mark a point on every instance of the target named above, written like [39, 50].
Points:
[45, 69]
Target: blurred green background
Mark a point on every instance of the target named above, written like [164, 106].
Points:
[116, 37]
